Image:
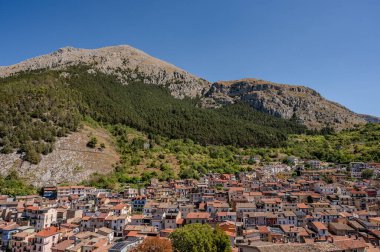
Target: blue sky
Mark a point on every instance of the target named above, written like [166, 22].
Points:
[332, 46]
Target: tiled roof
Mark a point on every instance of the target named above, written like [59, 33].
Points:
[198, 215]
[48, 232]
[319, 225]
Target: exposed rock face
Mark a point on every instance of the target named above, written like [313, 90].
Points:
[285, 101]
[126, 62]
[71, 161]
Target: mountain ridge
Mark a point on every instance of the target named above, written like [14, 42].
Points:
[130, 64]
[286, 101]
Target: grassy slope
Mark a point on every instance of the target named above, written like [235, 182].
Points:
[144, 157]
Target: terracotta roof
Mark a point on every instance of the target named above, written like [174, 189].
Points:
[33, 208]
[319, 225]
[134, 234]
[302, 206]
[263, 229]
[350, 244]
[137, 217]
[119, 207]
[48, 232]
[198, 215]
[235, 189]
[63, 245]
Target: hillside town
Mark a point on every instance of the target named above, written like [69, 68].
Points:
[282, 207]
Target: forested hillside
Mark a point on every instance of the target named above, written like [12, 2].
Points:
[150, 156]
[39, 106]
[358, 144]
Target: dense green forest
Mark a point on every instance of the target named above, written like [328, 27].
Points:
[38, 106]
[361, 143]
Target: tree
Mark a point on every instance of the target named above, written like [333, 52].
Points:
[32, 156]
[200, 238]
[367, 173]
[155, 244]
[222, 241]
[92, 143]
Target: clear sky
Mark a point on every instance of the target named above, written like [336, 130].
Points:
[332, 46]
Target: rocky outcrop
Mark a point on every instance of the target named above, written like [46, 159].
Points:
[285, 101]
[124, 61]
[70, 162]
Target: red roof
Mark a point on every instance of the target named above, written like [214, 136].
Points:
[33, 208]
[137, 217]
[119, 207]
[198, 215]
[263, 229]
[302, 206]
[319, 225]
[48, 232]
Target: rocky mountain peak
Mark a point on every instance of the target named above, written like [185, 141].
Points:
[128, 63]
[284, 101]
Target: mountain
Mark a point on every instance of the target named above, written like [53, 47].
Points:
[285, 101]
[50, 104]
[127, 63]
[43, 112]
[132, 65]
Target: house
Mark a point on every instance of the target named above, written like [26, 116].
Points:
[225, 216]
[287, 218]
[137, 219]
[259, 219]
[7, 229]
[341, 229]
[294, 233]
[234, 191]
[138, 203]
[46, 239]
[197, 217]
[357, 168]
[172, 219]
[349, 244]
[107, 232]
[320, 229]
[217, 206]
[120, 209]
[41, 218]
[66, 191]
[185, 209]
[63, 246]
[117, 223]
[272, 204]
[130, 193]
[242, 208]
[22, 241]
